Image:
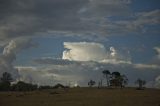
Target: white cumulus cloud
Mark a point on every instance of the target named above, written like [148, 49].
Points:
[91, 51]
[84, 51]
[158, 51]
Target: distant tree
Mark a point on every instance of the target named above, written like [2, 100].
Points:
[6, 77]
[115, 74]
[115, 79]
[107, 73]
[100, 84]
[5, 81]
[118, 80]
[123, 80]
[140, 83]
[45, 87]
[5, 86]
[59, 86]
[22, 86]
[91, 83]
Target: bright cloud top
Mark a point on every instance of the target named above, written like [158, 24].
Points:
[84, 51]
[90, 51]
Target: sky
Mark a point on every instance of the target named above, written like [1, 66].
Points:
[72, 41]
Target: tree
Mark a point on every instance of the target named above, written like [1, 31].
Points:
[5, 81]
[100, 84]
[123, 80]
[140, 83]
[6, 77]
[5, 86]
[118, 80]
[116, 74]
[23, 86]
[115, 79]
[91, 83]
[106, 73]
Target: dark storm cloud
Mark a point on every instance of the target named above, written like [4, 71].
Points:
[32, 17]
[21, 17]
[81, 18]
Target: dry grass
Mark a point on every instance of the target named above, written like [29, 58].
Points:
[82, 97]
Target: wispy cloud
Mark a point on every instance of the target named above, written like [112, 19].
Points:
[146, 66]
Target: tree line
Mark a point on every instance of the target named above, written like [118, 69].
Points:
[114, 79]
[6, 79]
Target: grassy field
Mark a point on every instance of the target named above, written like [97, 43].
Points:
[82, 97]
